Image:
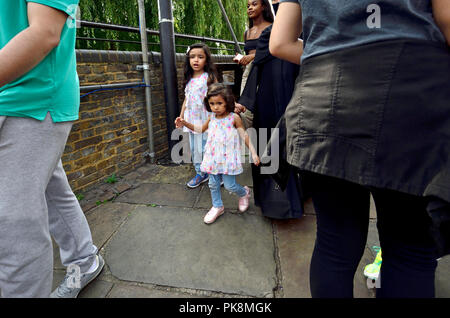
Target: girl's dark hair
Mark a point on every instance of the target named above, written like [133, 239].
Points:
[210, 67]
[267, 13]
[223, 90]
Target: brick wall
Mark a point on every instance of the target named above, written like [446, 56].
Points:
[111, 135]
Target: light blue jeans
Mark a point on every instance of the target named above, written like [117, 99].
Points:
[230, 184]
[197, 144]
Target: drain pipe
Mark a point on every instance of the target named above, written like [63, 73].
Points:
[146, 69]
[225, 16]
[167, 40]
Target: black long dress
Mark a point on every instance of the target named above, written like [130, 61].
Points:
[269, 89]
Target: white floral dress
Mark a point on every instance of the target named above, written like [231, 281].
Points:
[222, 150]
[195, 93]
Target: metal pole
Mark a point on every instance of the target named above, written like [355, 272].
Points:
[146, 67]
[224, 13]
[168, 56]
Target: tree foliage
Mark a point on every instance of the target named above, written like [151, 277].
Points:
[194, 17]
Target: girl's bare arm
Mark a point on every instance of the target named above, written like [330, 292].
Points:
[441, 13]
[284, 40]
[244, 136]
[183, 108]
[180, 121]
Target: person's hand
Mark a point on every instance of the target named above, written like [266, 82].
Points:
[237, 57]
[238, 108]
[247, 59]
[179, 122]
[256, 160]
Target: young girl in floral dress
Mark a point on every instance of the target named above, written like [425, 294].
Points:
[222, 151]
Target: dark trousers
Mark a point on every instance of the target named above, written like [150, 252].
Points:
[408, 250]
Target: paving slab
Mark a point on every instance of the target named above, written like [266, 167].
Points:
[170, 246]
[372, 237]
[442, 280]
[103, 222]
[295, 241]
[166, 250]
[373, 209]
[137, 291]
[161, 194]
[179, 174]
[245, 178]
[135, 177]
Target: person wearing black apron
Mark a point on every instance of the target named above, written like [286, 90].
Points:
[370, 114]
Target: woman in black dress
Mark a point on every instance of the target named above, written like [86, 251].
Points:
[260, 16]
[267, 92]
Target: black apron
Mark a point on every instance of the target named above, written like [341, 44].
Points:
[378, 115]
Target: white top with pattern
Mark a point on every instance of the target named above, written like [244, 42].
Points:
[222, 150]
[195, 93]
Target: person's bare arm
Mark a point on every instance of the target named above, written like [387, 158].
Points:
[244, 136]
[284, 40]
[247, 59]
[239, 108]
[180, 122]
[183, 108]
[441, 13]
[28, 48]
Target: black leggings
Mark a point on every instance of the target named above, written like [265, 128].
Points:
[408, 250]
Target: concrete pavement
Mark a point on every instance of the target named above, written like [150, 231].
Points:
[149, 228]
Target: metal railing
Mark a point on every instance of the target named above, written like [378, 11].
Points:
[129, 29]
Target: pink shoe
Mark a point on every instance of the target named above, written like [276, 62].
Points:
[213, 214]
[244, 201]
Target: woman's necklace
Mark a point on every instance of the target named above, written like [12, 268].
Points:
[254, 32]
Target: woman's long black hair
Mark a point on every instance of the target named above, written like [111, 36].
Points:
[210, 67]
[267, 13]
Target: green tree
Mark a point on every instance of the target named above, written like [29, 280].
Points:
[194, 17]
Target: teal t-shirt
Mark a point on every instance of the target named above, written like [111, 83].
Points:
[52, 86]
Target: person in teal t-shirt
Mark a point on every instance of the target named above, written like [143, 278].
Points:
[39, 100]
[51, 85]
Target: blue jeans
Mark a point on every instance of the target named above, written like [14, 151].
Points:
[197, 143]
[230, 184]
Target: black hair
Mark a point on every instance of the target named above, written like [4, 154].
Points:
[223, 90]
[267, 13]
[210, 67]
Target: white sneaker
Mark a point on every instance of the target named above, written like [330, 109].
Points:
[244, 202]
[213, 214]
[67, 288]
